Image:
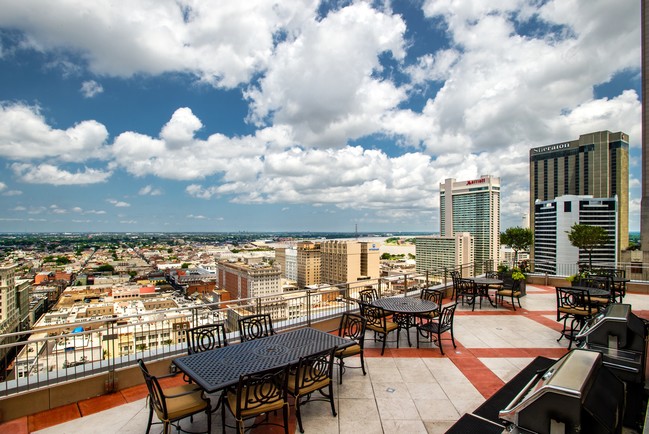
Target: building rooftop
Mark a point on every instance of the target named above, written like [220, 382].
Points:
[407, 390]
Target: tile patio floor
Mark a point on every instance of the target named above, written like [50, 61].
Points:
[406, 390]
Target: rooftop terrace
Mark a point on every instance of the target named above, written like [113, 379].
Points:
[406, 390]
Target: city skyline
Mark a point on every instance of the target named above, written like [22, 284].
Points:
[299, 116]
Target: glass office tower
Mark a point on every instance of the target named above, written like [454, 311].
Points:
[473, 206]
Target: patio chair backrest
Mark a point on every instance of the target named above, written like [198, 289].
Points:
[156, 394]
[434, 295]
[205, 338]
[446, 317]
[316, 369]
[261, 389]
[255, 327]
[352, 326]
[465, 286]
[573, 300]
[374, 315]
[368, 295]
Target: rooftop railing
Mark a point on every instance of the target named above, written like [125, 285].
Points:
[67, 351]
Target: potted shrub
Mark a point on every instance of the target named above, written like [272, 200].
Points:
[519, 276]
[575, 279]
[515, 273]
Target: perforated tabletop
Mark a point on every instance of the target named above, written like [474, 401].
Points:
[213, 370]
[407, 305]
[594, 292]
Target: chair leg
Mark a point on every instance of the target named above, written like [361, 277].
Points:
[452, 337]
[341, 368]
[285, 414]
[223, 412]
[439, 342]
[331, 399]
[148, 425]
[298, 415]
[209, 420]
[363, 363]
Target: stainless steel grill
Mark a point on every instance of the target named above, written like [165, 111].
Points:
[577, 394]
[621, 337]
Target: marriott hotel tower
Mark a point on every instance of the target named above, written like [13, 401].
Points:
[473, 206]
[597, 164]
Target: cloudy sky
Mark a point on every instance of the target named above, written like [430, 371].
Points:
[230, 115]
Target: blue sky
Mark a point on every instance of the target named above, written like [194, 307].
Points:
[301, 115]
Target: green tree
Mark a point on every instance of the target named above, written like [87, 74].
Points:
[185, 265]
[385, 256]
[519, 239]
[62, 260]
[105, 267]
[588, 238]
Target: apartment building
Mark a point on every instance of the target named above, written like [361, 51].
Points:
[286, 260]
[437, 253]
[9, 314]
[246, 279]
[308, 264]
[341, 261]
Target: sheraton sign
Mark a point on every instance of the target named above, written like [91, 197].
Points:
[551, 148]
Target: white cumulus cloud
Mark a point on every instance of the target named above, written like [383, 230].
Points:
[26, 135]
[118, 203]
[49, 174]
[91, 88]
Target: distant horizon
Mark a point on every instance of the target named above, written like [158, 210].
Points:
[386, 233]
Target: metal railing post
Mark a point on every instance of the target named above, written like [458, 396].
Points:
[405, 284]
[308, 307]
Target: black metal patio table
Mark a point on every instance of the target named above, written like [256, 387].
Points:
[482, 285]
[594, 292]
[404, 309]
[219, 368]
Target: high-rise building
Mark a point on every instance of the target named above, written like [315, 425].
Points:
[436, 253]
[9, 312]
[336, 261]
[370, 260]
[473, 206]
[308, 264]
[286, 260]
[597, 164]
[9, 315]
[248, 279]
[644, 207]
[553, 252]
[341, 261]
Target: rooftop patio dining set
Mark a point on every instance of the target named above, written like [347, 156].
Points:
[255, 377]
